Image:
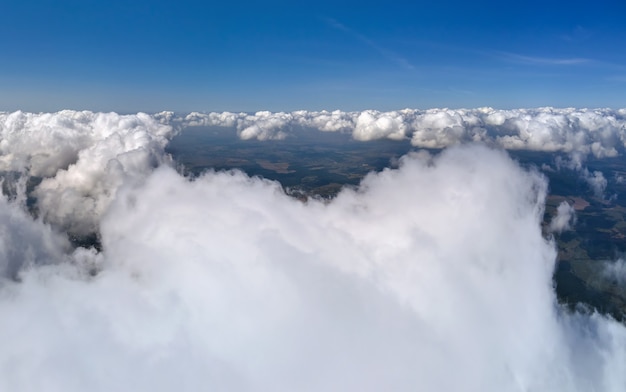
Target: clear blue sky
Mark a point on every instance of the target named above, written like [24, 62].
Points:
[141, 55]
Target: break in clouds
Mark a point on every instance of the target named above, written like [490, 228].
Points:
[579, 133]
[431, 276]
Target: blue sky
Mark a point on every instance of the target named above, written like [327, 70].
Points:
[281, 56]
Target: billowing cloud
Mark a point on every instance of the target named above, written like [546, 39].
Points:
[434, 269]
[432, 276]
[565, 217]
[372, 125]
[82, 157]
[43, 143]
[599, 132]
[26, 243]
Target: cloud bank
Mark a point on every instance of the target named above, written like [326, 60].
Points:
[432, 276]
[82, 159]
[599, 132]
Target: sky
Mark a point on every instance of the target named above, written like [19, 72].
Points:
[283, 56]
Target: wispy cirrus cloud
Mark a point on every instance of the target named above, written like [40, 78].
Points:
[386, 53]
[539, 60]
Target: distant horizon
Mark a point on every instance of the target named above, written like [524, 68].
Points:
[330, 110]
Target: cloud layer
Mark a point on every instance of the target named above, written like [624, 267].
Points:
[432, 276]
[600, 132]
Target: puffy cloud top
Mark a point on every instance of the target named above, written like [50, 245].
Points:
[83, 158]
[600, 132]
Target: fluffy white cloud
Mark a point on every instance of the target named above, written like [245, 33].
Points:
[372, 125]
[335, 121]
[264, 126]
[43, 143]
[26, 243]
[434, 276]
[600, 132]
[83, 157]
[565, 217]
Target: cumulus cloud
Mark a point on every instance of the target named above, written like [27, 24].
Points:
[372, 125]
[25, 242]
[596, 182]
[580, 132]
[432, 276]
[43, 143]
[564, 219]
[82, 158]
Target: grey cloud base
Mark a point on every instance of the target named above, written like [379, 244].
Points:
[432, 276]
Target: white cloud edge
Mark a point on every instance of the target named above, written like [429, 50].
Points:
[599, 132]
